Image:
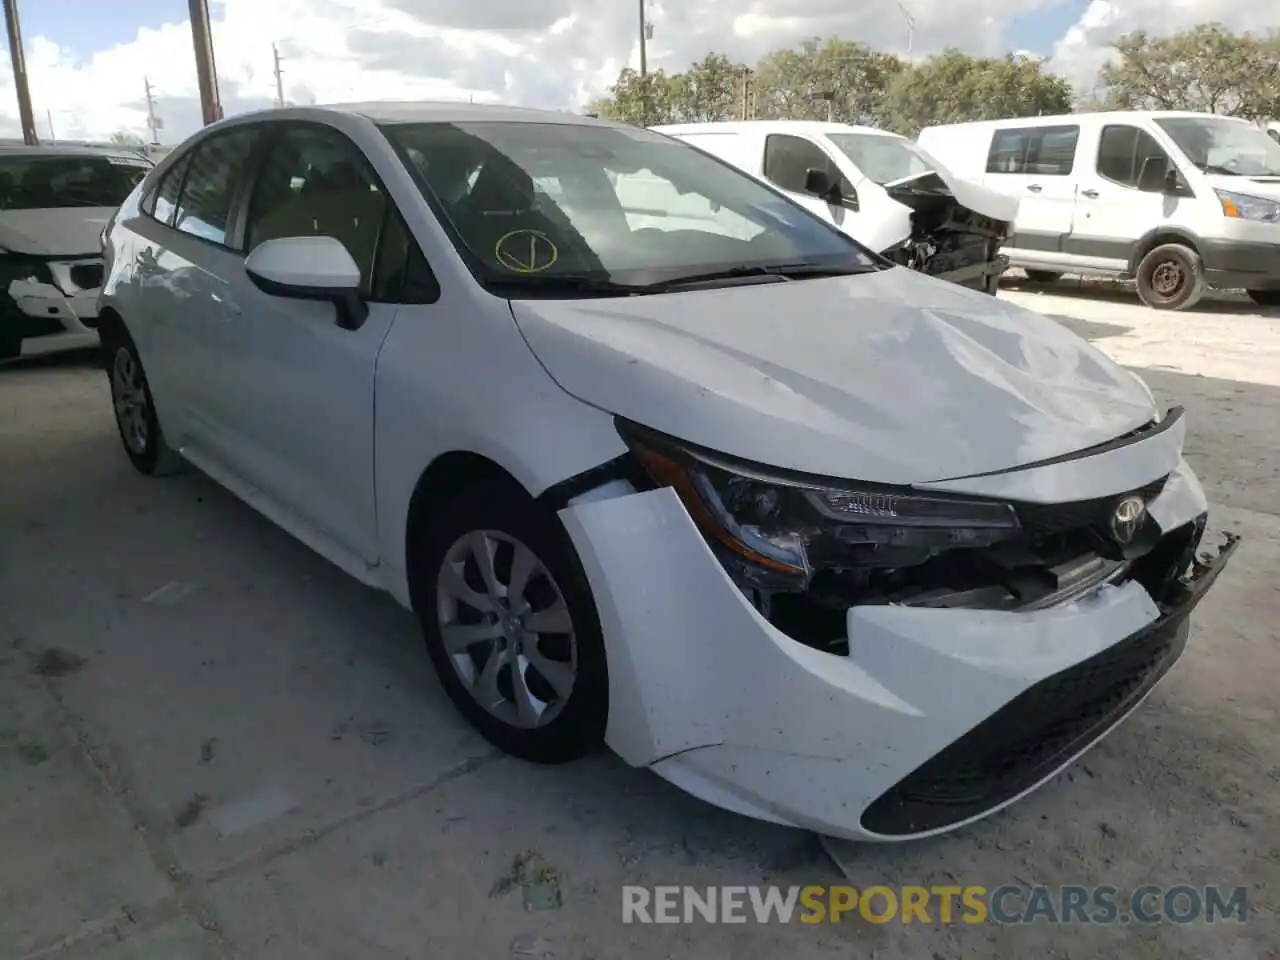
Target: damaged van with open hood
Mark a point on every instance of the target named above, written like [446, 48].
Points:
[816, 537]
[880, 188]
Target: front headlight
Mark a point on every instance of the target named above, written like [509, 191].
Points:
[792, 525]
[1242, 206]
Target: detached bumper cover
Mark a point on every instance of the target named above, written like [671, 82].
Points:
[714, 698]
[1040, 730]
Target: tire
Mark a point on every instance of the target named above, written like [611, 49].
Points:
[1042, 276]
[135, 409]
[1265, 298]
[495, 519]
[10, 345]
[1171, 277]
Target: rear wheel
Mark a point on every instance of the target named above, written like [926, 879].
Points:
[135, 408]
[1265, 298]
[510, 624]
[1171, 277]
[1042, 276]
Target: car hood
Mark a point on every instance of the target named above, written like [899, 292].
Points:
[890, 377]
[61, 231]
[980, 199]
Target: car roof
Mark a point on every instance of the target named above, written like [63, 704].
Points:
[791, 126]
[430, 111]
[68, 150]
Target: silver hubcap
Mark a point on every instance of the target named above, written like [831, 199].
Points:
[506, 628]
[130, 398]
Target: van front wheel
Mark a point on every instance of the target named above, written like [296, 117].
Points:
[1171, 277]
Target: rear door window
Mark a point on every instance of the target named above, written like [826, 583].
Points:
[1038, 151]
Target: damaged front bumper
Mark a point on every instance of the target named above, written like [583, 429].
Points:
[983, 276]
[933, 718]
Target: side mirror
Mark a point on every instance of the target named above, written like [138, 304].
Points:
[819, 183]
[1153, 177]
[310, 268]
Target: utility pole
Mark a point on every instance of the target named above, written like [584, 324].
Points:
[911, 26]
[48, 115]
[206, 70]
[25, 114]
[275, 55]
[746, 95]
[644, 66]
[154, 123]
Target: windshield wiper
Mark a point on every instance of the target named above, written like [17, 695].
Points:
[783, 271]
[565, 283]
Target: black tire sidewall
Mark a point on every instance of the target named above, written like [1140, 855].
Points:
[112, 343]
[497, 506]
[1192, 269]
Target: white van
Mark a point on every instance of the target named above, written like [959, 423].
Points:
[1175, 200]
[879, 188]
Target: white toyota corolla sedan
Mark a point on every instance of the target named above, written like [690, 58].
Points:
[816, 538]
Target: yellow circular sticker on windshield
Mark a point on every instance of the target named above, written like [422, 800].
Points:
[526, 251]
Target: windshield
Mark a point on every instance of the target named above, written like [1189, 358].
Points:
[541, 201]
[1224, 146]
[46, 182]
[881, 158]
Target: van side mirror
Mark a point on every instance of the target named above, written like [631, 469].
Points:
[1153, 177]
[310, 268]
[819, 183]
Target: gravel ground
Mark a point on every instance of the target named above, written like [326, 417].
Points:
[213, 744]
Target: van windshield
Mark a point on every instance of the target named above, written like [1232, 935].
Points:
[535, 203]
[52, 181]
[881, 158]
[1224, 146]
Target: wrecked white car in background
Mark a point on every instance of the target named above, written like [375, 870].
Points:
[814, 537]
[880, 188]
[55, 202]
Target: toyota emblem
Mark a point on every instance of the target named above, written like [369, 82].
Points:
[1127, 518]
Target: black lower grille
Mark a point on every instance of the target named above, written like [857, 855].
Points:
[1040, 520]
[1030, 736]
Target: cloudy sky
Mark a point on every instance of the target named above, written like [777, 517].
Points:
[87, 60]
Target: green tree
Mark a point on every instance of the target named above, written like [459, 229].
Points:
[709, 90]
[123, 138]
[799, 84]
[638, 100]
[953, 87]
[1205, 69]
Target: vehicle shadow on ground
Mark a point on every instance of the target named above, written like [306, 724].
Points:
[1123, 292]
[278, 662]
[55, 360]
[1089, 329]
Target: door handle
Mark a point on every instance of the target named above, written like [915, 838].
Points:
[1091, 194]
[1034, 187]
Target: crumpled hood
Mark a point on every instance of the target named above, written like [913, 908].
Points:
[890, 377]
[980, 199]
[70, 231]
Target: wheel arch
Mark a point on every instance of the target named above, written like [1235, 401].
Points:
[446, 475]
[1158, 236]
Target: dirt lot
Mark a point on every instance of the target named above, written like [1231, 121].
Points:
[214, 744]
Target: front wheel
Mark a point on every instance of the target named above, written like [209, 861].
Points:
[1265, 298]
[511, 625]
[1171, 277]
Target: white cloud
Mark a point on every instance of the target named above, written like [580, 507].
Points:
[555, 53]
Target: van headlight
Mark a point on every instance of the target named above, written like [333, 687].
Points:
[1242, 206]
[794, 525]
